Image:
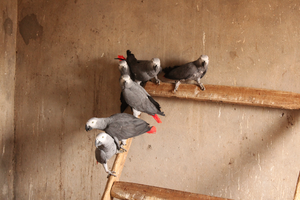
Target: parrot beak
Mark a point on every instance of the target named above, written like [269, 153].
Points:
[123, 84]
[88, 128]
[98, 144]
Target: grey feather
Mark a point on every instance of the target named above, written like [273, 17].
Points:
[190, 71]
[105, 149]
[143, 70]
[119, 126]
[138, 98]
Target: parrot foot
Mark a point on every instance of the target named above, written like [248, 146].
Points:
[177, 83]
[122, 149]
[200, 84]
[111, 173]
[202, 87]
[157, 81]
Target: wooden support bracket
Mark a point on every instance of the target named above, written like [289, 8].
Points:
[134, 191]
[214, 93]
[117, 167]
[228, 94]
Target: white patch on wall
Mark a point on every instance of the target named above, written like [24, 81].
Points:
[4, 190]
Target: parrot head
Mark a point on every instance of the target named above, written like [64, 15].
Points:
[91, 124]
[123, 66]
[101, 139]
[156, 62]
[124, 79]
[204, 58]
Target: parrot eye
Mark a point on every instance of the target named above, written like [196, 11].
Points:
[92, 122]
[102, 136]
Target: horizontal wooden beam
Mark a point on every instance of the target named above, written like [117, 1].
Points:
[228, 94]
[117, 167]
[134, 191]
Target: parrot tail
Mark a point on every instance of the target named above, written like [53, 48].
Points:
[156, 118]
[120, 57]
[152, 130]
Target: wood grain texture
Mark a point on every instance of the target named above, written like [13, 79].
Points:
[134, 191]
[228, 94]
[117, 167]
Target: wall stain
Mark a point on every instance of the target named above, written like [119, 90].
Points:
[233, 55]
[30, 28]
[8, 26]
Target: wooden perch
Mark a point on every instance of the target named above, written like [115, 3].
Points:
[228, 94]
[134, 191]
[117, 167]
[297, 191]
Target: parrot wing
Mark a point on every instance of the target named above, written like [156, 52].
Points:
[100, 156]
[185, 71]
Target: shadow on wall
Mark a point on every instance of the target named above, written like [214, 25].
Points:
[52, 105]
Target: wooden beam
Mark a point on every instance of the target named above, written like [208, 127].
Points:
[134, 191]
[228, 94]
[117, 167]
[297, 191]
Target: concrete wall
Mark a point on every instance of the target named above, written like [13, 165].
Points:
[8, 30]
[66, 74]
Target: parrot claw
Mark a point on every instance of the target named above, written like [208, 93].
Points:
[202, 87]
[119, 151]
[111, 173]
[122, 149]
[157, 82]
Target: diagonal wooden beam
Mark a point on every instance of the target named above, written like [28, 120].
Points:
[134, 191]
[297, 191]
[117, 167]
[228, 94]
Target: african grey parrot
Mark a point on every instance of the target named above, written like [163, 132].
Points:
[138, 98]
[124, 70]
[142, 70]
[120, 126]
[105, 149]
[190, 71]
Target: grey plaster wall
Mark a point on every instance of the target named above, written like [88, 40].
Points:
[66, 73]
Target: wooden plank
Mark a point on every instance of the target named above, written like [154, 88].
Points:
[134, 191]
[117, 167]
[228, 94]
[297, 192]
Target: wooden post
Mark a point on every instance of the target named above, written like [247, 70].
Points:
[228, 94]
[117, 167]
[134, 191]
[297, 191]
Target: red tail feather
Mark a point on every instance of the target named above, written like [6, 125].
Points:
[153, 130]
[156, 118]
[121, 57]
